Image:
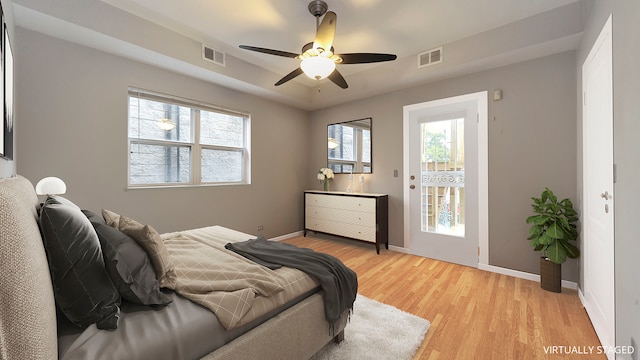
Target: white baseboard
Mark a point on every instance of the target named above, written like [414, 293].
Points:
[500, 270]
[581, 296]
[399, 249]
[495, 269]
[523, 275]
[287, 236]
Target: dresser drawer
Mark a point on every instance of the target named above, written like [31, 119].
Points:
[356, 216]
[340, 215]
[353, 203]
[366, 233]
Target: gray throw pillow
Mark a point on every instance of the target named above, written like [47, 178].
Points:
[149, 239]
[82, 287]
[128, 265]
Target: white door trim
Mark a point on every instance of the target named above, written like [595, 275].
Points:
[483, 167]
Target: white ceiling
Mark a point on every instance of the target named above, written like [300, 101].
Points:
[405, 28]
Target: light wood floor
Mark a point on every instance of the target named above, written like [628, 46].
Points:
[474, 314]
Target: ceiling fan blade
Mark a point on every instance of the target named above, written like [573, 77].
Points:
[363, 58]
[289, 76]
[326, 31]
[337, 79]
[269, 51]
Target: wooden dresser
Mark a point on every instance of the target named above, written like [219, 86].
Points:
[359, 216]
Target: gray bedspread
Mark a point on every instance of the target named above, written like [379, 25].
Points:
[340, 284]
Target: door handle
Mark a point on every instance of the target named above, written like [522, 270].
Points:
[605, 195]
[412, 186]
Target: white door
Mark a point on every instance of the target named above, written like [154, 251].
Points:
[442, 197]
[598, 197]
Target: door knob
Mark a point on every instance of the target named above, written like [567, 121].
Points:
[605, 195]
[412, 186]
[412, 177]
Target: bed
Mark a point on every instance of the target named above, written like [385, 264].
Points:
[32, 326]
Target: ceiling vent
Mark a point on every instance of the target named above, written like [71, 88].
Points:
[431, 57]
[213, 55]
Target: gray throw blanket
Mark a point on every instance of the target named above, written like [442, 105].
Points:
[340, 284]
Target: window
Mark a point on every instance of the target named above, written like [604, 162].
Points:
[352, 150]
[174, 141]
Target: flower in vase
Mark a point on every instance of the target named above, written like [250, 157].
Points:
[324, 175]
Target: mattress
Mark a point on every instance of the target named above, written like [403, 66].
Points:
[181, 330]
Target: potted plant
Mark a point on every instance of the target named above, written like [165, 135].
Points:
[553, 230]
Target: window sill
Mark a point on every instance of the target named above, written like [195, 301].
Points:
[184, 186]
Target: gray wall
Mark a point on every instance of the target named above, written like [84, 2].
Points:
[535, 121]
[7, 167]
[532, 144]
[626, 118]
[72, 102]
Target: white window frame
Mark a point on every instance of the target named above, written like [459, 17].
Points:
[196, 148]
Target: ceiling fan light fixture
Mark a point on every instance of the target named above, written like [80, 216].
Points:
[317, 67]
[333, 143]
[318, 60]
[166, 124]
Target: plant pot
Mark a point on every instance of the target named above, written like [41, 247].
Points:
[550, 275]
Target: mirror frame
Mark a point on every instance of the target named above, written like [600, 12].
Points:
[356, 169]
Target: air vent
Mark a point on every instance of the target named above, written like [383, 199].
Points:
[430, 57]
[213, 55]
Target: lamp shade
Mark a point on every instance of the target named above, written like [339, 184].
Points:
[51, 186]
[317, 67]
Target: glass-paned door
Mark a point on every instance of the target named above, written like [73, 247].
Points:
[442, 177]
[442, 163]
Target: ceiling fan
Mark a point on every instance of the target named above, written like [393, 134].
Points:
[318, 61]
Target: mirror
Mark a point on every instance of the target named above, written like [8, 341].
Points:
[349, 147]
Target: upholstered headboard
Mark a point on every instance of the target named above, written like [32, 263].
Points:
[27, 307]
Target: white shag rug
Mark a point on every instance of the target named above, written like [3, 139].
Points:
[377, 331]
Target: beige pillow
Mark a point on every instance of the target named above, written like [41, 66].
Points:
[112, 219]
[149, 239]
